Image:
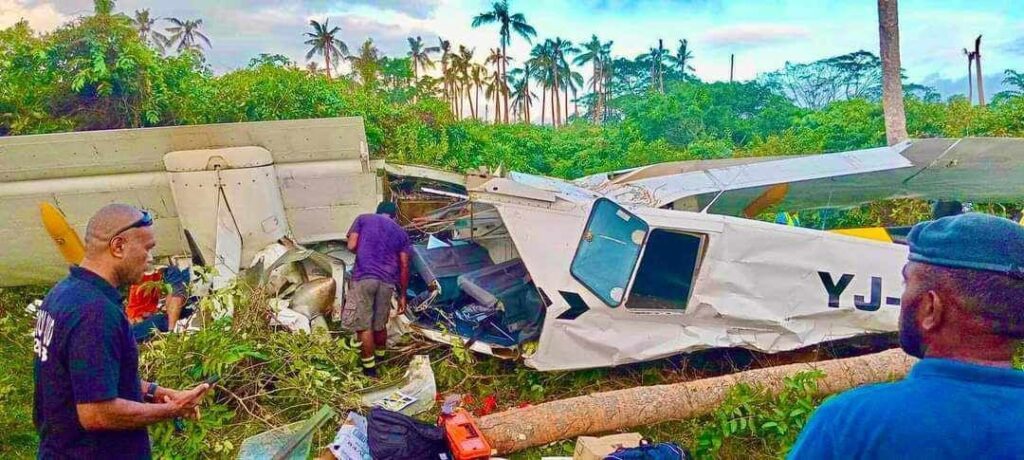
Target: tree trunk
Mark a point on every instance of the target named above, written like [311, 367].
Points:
[528, 101]
[970, 79]
[477, 113]
[977, 63]
[556, 102]
[504, 78]
[566, 108]
[732, 66]
[469, 97]
[415, 79]
[327, 59]
[543, 104]
[518, 429]
[892, 86]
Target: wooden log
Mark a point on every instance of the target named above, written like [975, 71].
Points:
[522, 428]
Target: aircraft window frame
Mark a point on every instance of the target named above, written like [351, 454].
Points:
[585, 278]
[698, 265]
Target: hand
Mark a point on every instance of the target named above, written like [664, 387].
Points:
[401, 304]
[185, 403]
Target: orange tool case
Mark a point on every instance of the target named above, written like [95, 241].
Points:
[464, 437]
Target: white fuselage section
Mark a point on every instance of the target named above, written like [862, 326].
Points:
[757, 285]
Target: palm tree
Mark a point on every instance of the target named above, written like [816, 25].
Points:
[892, 84]
[525, 74]
[324, 41]
[500, 61]
[522, 98]
[1014, 79]
[477, 75]
[103, 7]
[593, 53]
[509, 22]
[542, 59]
[655, 57]
[560, 48]
[977, 65]
[420, 56]
[187, 35]
[144, 24]
[573, 82]
[970, 75]
[366, 62]
[682, 58]
[495, 88]
[446, 48]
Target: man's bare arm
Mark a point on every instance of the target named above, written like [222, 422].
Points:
[353, 241]
[123, 414]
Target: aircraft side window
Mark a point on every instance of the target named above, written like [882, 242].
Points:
[608, 251]
[669, 265]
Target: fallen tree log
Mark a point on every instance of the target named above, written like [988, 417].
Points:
[522, 428]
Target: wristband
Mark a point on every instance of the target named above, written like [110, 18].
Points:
[151, 392]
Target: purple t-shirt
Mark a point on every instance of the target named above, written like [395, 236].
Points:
[85, 352]
[380, 242]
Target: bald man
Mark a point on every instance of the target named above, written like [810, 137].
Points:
[89, 400]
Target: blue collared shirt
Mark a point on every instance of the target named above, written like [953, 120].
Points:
[944, 409]
[85, 353]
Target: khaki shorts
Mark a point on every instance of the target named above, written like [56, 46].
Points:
[367, 304]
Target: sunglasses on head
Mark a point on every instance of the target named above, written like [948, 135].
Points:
[145, 221]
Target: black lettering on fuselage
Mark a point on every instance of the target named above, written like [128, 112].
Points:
[872, 302]
[834, 289]
[876, 297]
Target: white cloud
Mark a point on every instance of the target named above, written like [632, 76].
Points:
[752, 35]
[41, 17]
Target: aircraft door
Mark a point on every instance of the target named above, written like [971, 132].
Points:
[608, 251]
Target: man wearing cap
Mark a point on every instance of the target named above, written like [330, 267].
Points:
[382, 263]
[962, 313]
[89, 400]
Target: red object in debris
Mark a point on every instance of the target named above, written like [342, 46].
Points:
[464, 438]
[489, 404]
[143, 298]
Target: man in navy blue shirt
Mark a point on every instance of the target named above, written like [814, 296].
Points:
[963, 313]
[89, 400]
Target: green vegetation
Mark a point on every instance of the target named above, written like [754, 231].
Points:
[273, 378]
[109, 71]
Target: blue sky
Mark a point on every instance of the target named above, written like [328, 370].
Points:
[764, 34]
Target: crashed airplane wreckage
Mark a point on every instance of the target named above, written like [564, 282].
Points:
[606, 270]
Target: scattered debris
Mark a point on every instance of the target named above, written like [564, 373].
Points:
[351, 441]
[291, 442]
[592, 448]
[415, 394]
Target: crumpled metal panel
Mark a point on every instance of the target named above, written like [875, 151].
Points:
[760, 286]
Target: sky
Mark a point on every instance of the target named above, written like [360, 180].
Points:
[763, 34]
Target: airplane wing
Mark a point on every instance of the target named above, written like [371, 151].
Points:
[675, 189]
[968, 169]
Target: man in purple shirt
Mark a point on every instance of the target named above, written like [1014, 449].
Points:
[89, 400]
[382, 262]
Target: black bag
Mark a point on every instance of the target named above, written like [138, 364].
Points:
[650, 451]
[394, 436]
